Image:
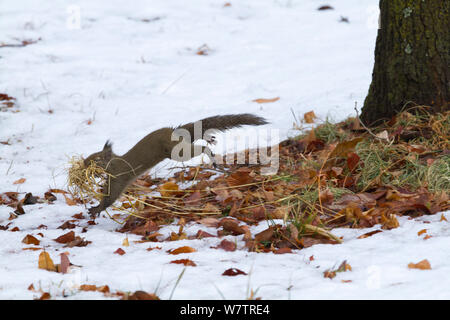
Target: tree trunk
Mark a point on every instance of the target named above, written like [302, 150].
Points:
[412, 58]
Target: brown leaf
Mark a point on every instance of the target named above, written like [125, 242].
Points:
[343, 148]
[120, 251]
[65, 238]
[184, 249]
[77, 242]
[422, 265]
[281, 212]
[88, 287]
[209, 222]
[203, 234]
[369, 234]
[262, 100]
[67, 225]
[325, 7]
[193, 199]
[227, 245]
[283, 250]
[45, 262]
[169, 189]
[210, 208]
[185, 262]
[142, 295]
[20, 181]
[233, 272]
[78, 216]
[231, 226]
[265, 235]
[146, 229]
[352, 160]
[309, 117]
[64, 264]
[29, 239]
[69, 201]
[45, 296]
[240, 177]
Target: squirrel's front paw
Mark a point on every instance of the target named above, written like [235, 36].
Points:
[94, 211]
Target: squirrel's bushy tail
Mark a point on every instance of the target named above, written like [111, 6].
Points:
[225, 122]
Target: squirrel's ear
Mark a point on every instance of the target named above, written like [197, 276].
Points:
[107, 148]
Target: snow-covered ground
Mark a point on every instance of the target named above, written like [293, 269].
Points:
[116, 70]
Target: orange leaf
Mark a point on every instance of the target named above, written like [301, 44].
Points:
[20, 181]
[88, 287]
[421, 232]
[262, 100]
[29, 239]
[169, 189]
[69, 202]
[186, 262]
[45, 296]
[422, 265]
[309, 117]
[45, 262]
[180, 250]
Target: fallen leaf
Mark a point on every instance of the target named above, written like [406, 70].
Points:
[20, 181]
[369, 234]
[309, 117]
[227, 245]
[65, 238]
[29, 239]
[185, 262]
[169, 189]
[282, 250]
[422, 265]
[325, 7]
[120, 251]
[233, 272]
[45, 296]
[180, 250]
[142, 295]
[231, 226]
[88, 287]
[421, 232]
[262, 100]
[69, 202]
[45, 262]
[203, 234]
[64, 264]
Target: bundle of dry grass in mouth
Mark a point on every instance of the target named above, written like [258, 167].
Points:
[85, 182]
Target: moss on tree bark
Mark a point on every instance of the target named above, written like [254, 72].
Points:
[412, 58]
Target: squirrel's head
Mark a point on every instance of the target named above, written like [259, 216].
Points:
[101, 158]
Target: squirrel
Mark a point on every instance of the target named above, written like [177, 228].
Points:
[154, 148]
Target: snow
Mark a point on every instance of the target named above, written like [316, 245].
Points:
[117, 77]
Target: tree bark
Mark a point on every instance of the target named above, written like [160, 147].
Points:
[412, 59]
